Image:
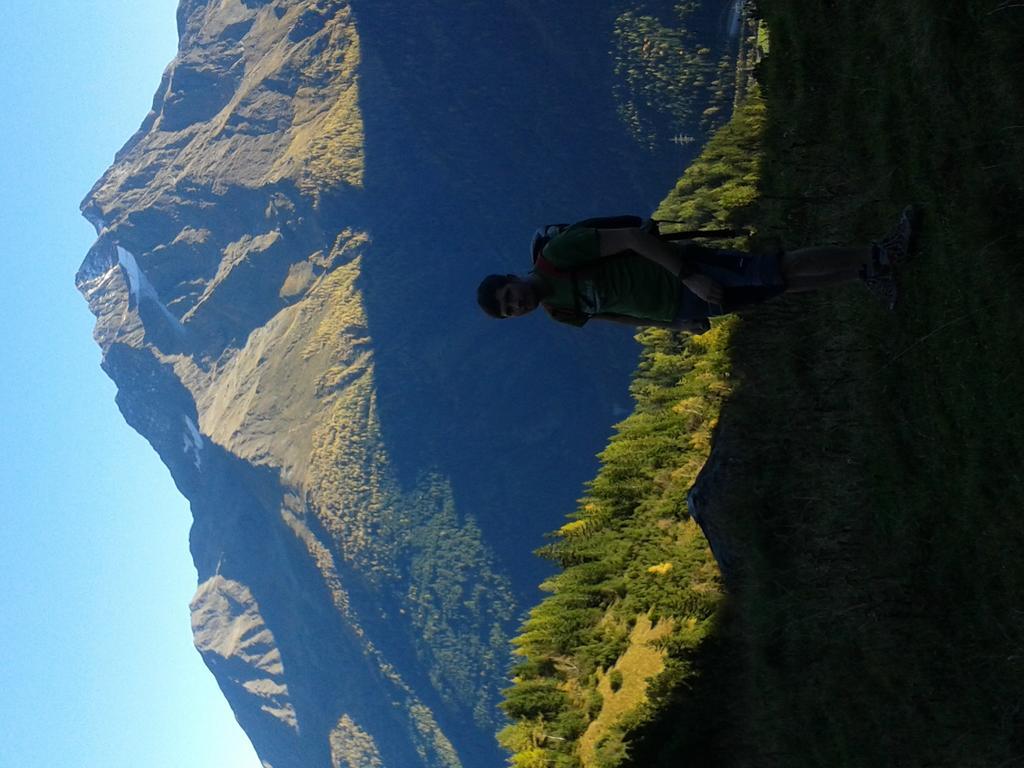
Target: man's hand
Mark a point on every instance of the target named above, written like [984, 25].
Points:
[704, 288]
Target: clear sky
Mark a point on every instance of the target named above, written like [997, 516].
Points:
[97, 668]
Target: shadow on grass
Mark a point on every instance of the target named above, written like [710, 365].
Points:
[877, 494]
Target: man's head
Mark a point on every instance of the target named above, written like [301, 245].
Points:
[504, 296]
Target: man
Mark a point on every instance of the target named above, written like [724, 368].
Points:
[621, 271]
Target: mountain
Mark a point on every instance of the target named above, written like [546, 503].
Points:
[283, 280]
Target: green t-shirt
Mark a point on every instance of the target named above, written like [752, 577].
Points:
[624, 284]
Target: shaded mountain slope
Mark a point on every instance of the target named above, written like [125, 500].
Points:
[283, 281]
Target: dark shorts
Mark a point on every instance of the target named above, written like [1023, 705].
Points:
[746, 278]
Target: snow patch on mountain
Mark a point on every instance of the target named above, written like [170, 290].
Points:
[193, 440]
[140, 288]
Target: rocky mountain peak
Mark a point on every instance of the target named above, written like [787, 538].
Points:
[282, 283]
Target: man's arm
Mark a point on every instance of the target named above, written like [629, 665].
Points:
[652, 247]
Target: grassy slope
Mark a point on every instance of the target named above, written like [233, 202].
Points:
[881, 505]
[882, 622]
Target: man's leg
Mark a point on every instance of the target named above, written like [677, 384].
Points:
[809, 269]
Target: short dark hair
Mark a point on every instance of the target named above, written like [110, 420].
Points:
[487, 293]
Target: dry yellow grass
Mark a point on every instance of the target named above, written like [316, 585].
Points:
[637, 665]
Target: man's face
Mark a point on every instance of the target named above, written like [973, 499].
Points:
[515, 298]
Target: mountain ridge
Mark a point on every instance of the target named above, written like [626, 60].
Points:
[268, 301]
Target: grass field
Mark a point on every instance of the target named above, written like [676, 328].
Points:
[880, 507]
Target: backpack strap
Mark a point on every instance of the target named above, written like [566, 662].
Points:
[543, 265]
[690, 234]
[612, 222]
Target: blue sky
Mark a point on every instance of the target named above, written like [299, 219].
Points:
[98, 666]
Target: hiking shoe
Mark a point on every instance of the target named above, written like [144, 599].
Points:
[894, 249]
[883, 288]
